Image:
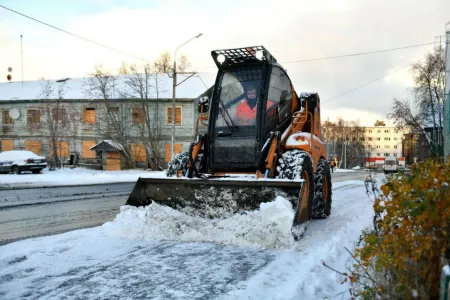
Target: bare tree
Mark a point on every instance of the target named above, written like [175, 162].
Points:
[164, 63]
[428, 111]
[144, 90]
[114, 117]
[348, 140]
[57, 121]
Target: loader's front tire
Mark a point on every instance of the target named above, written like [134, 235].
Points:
[297, 164]
[322, 191]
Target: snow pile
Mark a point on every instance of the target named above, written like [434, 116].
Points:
[268, 227]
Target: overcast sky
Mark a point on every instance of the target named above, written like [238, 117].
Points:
[290, 30]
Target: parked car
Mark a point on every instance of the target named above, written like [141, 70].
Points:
[17, 161]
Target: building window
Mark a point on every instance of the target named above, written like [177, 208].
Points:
[86, 151]
[370, 131]
[386, 154]
[370, 139]
[387, 138]
[34, 146]
[395, 154]
[378, 154]
[378, 131]
[378, 146]
[6, 118]
[33, 116]
[395, 139]
[361, 139]
[378, 139]
[138, 152]
[395, 147]
[7, 145]
[59, 114]
[89, 115]
[138, 115]
[177, 116]
[168, 149]
[386, 131]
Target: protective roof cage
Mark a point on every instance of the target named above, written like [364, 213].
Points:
[228, 57]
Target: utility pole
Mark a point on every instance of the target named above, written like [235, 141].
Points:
[345, 155]
[174, 87]
[21, 55]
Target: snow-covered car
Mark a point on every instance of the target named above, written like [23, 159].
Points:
[17, 161]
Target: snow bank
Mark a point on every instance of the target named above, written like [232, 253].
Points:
[268, 227]
[77, 176]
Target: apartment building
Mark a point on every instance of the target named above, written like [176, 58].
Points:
[81, 120]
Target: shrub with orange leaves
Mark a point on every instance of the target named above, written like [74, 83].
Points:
[402, 256]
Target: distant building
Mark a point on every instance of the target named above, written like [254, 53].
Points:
[378, 141]
[82, 123]
[382, 141]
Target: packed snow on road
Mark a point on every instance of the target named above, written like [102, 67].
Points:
[76, 176]
[159, 253]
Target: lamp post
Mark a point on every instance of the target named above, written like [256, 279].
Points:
[174, 91]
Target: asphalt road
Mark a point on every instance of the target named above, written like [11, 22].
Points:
[26, 213]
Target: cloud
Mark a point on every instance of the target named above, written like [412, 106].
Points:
[289, 29]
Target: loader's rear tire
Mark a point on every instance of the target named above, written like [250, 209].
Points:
[322, 191]
[297, 164]
[179, 162]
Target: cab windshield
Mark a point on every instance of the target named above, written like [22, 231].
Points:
[239, 97]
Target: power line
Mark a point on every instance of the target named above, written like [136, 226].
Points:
[367, 83]
[75, 35]
[358, 54]
[348, 55]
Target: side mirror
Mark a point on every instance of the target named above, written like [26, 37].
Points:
[203, 104]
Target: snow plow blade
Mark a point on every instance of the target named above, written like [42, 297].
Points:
[212, 198]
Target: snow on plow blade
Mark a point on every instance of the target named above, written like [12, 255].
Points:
[211, 198]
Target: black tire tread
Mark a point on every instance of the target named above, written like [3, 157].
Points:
[321, 211]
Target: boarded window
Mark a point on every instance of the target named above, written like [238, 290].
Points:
[33, 116]
[138, 152]
[86, 151]
[89, 115]
[6, 118]
[59, 114]
[177, 116]
[168, 149]
[34, 146]
[62, 148]
[7, 145]
[138, 115]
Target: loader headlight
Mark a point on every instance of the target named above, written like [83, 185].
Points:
[221, 58]
[259, 54]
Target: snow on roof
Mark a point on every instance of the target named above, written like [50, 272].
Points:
[109, 144]
[77, 87]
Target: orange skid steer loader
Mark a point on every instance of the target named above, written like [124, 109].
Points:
[262, 140]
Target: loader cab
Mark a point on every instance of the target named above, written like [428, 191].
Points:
[251, 98]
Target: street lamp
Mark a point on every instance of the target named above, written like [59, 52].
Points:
[174, 91]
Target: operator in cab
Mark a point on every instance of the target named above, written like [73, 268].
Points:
[246, 109]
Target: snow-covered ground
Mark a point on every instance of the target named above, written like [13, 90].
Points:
[159, 253]
[77, 176]
[343, 170]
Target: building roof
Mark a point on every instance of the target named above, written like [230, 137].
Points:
[77, 88]
[108, 145]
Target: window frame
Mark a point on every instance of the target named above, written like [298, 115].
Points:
[169, 107]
